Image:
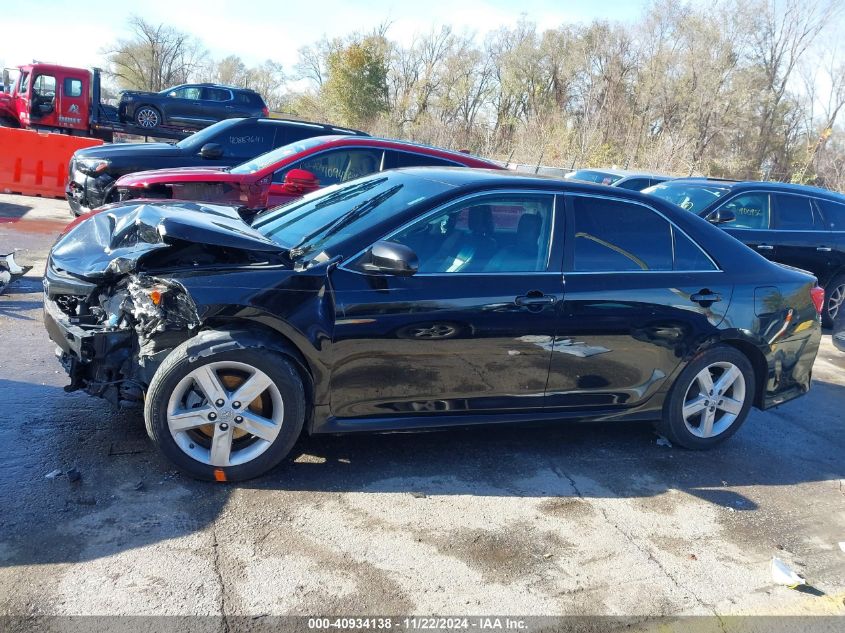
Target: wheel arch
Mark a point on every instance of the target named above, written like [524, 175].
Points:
[221, 335]
[758, 364]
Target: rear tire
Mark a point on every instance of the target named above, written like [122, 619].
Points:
[147, 117]
[834, 300]
[710, 399]
[193, 413]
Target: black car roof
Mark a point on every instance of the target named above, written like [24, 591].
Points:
[764, 185]
[341, 131]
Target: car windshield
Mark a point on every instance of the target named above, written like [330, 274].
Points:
[207, 135]
[329, 216]
[690, 196]
[265, 160]
[589, 175]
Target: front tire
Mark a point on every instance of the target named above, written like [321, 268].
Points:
[225, 416]
[147, 117]
[710, 399]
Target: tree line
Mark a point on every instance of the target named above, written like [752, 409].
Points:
[750, 89]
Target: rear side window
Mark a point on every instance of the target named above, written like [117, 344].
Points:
[688, 255]
[216, 94]
[752, 211]
[794, 213]
[834, 214]
[72, 87]
[293, 133]
[612, 235]
[407, 159]
[247, 141]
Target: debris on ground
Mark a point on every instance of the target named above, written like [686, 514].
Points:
[9, 270]
[53, 474]
[693, 557]
[662, 441]
[842, 545]
[782, 574]
[73, 475]
[139, 486]
[419, 495]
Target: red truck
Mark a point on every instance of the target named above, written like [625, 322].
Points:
[53, 98]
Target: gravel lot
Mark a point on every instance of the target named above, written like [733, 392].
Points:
[570, 520]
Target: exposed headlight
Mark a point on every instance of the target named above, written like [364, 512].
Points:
[91, 166]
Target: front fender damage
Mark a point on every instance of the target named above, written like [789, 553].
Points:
[122, 334]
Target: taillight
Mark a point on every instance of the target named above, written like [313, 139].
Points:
[265, 111]
[817, 295]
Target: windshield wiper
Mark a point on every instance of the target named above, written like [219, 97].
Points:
[342, 222]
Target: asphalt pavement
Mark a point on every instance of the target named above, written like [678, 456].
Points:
[569, 519]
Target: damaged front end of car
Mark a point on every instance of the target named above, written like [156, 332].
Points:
[113, 301]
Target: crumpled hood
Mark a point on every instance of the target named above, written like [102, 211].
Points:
[113, 241]
[176, 174]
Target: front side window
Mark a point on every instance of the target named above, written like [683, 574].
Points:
[612, 235]
[336, 166]
[505, 233]
[188, 92]
[752, 211]
[44, 86]
[794, 213]
[72, 87]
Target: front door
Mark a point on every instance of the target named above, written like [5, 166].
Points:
[471, 331]
[753, 223]
[639, 296]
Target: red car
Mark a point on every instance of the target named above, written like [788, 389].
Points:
[290, 171]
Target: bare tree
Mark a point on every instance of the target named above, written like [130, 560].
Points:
[154, 57]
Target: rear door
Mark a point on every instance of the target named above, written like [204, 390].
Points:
[833, 215]
[217, 104]
[639, 295]
[802, 239]
[471, 331]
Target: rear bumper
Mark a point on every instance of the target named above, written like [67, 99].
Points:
[791, 367]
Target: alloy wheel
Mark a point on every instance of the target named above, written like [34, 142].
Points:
[714, 400]
[225, 413]
[147, 118]
[834, 301]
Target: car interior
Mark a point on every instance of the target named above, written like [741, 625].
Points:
[499, 237]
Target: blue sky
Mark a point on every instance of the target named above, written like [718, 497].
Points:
[63, 31]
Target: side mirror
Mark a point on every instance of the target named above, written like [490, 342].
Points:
[390, 258]
[211, 151]
[722, 216]
[298, 182]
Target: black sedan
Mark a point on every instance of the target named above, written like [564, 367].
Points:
[792, 224]
[94, 170]
[418, 298]
[189, 106]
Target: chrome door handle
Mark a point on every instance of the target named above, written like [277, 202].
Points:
[764, 247]
[534, 300]
[705, 297]
[823, 249]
